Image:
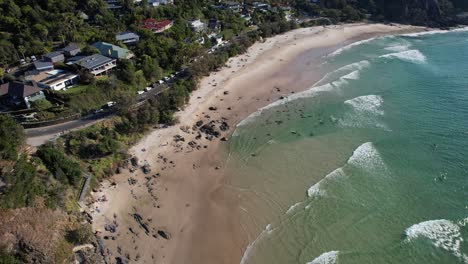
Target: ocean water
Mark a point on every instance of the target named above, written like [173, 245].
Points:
[370, 165]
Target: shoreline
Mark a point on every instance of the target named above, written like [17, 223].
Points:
[190, 204]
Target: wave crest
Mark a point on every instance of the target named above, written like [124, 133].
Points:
[443, 234]
[330, 257]
[413, 56]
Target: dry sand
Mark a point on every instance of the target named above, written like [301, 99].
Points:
[188, 201]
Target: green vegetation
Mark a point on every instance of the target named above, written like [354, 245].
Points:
[420, 12]
[12, 136]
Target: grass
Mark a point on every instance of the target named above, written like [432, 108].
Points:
[75, 90]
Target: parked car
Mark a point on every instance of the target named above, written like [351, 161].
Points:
[161, 81]
[140, 92]
[22, 62]
[147, 89]
[33, 58]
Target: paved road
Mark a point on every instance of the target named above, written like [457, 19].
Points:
[40, 135]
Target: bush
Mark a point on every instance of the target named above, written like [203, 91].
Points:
[64, 169]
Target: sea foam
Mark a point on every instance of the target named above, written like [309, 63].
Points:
[442, 233]
[365, 112]
[433, 32]
[267, 231]
[414, 56]
[318, 189]
[366, 157]
[368, 104]
[293, 208]
[345, 48]
[330, 257]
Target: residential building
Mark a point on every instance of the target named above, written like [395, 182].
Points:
[155, 3]
[113, 4]
[43, 65]
[54, 80]
[214, 25]
[156, 26]
[196, 25]
[54, 57]
[260, 6]
[19, 94]
[127, 38]
[71, 50]
[233, 6]
[97, 64]
[113, 51]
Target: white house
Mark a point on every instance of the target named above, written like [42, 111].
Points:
[54, 80]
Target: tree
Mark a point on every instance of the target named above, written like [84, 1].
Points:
[127, 72]
[11, 137]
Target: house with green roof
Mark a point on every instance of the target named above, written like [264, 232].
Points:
[113, 51]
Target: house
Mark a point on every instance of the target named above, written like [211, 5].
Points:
[214, 25]
[54, 57]
[127, 37]
[260, 6]
[97, 64]
[233, 6]
[156, 26]
[155, 3]
[113, 4]
[196, 25]
[43, 65]
[19, 94]
[54, 80]
[113, 51]
[71, 50]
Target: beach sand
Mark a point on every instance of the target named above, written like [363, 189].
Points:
[188, 201]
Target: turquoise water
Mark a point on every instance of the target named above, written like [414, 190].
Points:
[369, 166]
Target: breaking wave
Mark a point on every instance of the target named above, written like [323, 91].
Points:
[433, 32]
[345, 48]
[398, 48]
[442, 233]
[414, 56]
[365, 112]
[318, 189]
[367, 103]
[366, 157]
[330, 257]
[268, 230]
[293, 207]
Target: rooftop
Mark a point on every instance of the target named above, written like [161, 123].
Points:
[51, 77]
[18, 89]
[93, 61]
[43, 65]
[53, 54]
[71, 47]
[112, 51]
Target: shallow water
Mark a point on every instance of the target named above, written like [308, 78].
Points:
[368, 166]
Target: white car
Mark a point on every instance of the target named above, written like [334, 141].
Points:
[161, 81]
[172, 75]
[140, 92]
[166, 79]
[147, 89]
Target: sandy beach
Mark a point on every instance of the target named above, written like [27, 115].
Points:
[182, 212]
